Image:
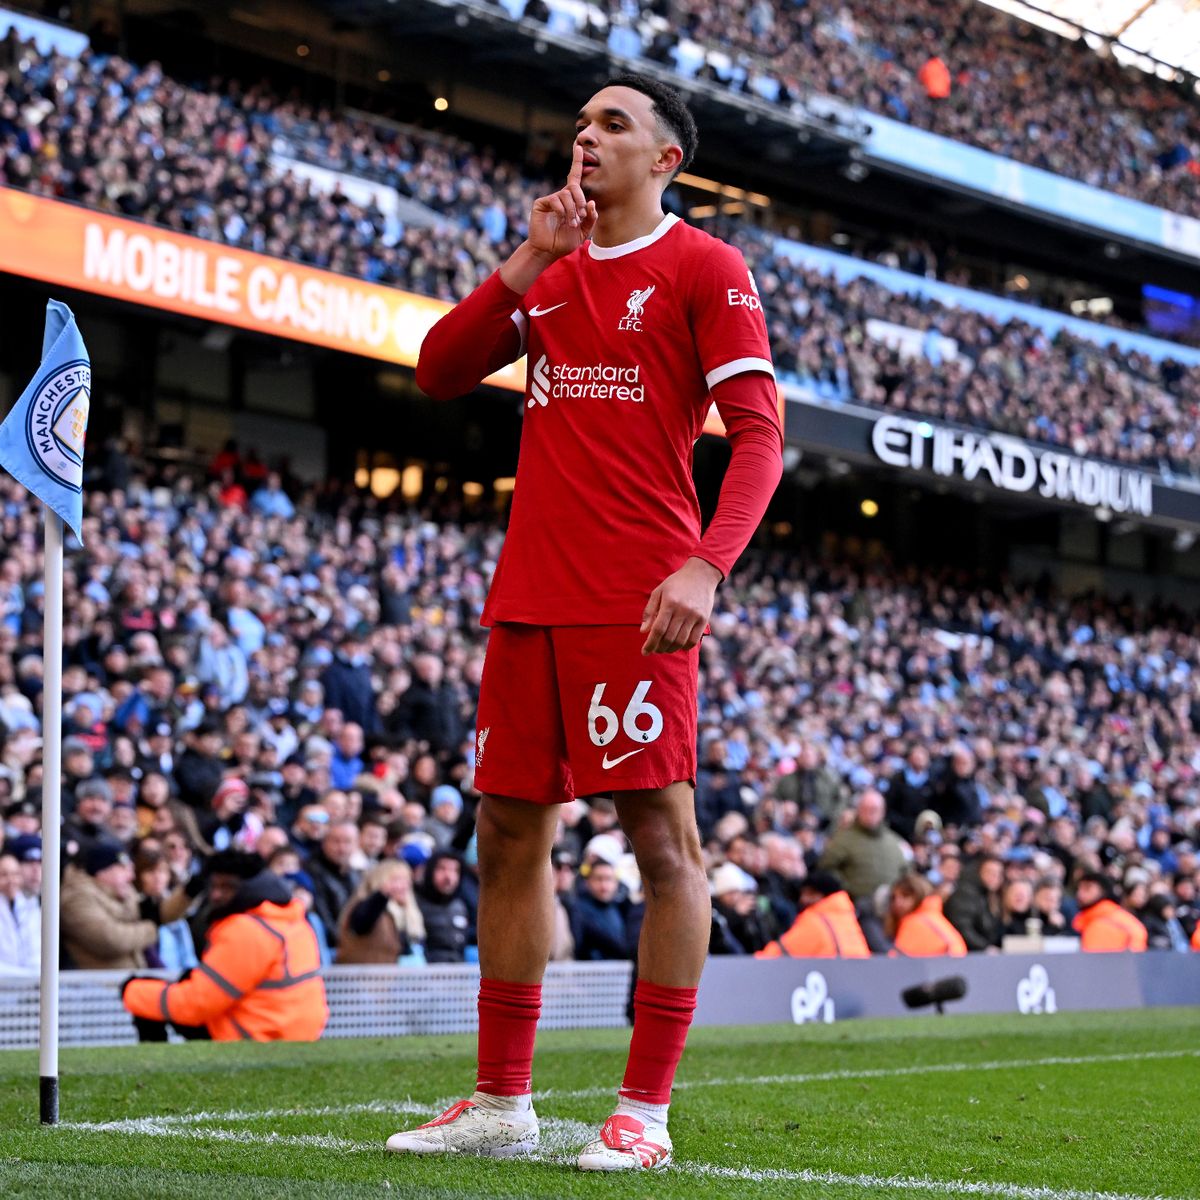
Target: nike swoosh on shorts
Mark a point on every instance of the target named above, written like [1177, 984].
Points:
[620, 759]
[538, 311]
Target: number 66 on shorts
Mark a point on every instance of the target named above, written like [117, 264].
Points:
[553, 732]
[602, 721]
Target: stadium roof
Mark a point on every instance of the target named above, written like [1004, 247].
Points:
[1155, 35]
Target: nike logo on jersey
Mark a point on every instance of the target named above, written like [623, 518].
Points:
[608, 764]
[538, 311]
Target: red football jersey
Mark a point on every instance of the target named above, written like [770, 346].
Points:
[624, 344]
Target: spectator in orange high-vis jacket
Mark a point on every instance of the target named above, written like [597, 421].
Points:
[826, 926]
[934, 77]
[915, 922]
[1103, 926]
[259, 977]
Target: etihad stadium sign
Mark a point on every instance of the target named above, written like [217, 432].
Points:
[1010, 464]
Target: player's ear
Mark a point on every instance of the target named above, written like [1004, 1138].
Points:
[669, 159]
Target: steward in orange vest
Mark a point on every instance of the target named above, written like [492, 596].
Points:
[826, 926]
[1196, 939]
[934, 77]
[259, 978]
[916, 924]
[1103, 926]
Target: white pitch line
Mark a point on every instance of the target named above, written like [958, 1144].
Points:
[402, 1107]
[565, 1136]
[904, 1183]
[559, 1136]
[131, 1124]
[154, 1127]
[884, 1072]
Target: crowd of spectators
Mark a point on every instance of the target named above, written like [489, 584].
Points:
[958, 68]
[105, 133]
[300, 681]
[1093, 400]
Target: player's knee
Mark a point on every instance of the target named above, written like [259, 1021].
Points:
[670, 867]
[506, 836]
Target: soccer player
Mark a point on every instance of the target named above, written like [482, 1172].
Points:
[634, 323]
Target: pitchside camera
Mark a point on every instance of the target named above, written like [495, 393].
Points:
[937, 992]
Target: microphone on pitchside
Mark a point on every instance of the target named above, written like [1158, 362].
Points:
[937, 992]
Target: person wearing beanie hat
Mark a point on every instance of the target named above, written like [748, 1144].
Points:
[600, 915]
[446, 915]
[25, 816]
[259, 978]
[729, 879]
[303, 888]
[735, 899]
[228, 825]
[604, 847]
[88, 823]
[27, 850]
[1104, 927]
[415, 848]
[302, 880]
[825, 927]
[104, 925]
[198, 770]
[445, 809]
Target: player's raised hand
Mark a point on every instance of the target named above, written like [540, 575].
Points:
[563, 221]
[679, 608]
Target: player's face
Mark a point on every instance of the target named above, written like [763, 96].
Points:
[623, 147]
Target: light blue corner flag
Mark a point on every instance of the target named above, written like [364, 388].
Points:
[42, 438]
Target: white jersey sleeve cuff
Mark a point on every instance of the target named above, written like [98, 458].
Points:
[737, 367]
[520, 320]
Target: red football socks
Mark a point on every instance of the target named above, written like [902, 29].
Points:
[508, 1017]
[661, 1016]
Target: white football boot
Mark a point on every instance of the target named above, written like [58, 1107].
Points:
[470, 1128]
[626, 1144]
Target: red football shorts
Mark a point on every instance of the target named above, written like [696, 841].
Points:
[578, 710]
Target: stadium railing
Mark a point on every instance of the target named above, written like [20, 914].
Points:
[388, 1001]
[364, 1001]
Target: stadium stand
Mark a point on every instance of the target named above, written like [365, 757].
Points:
[1052, 732]
[214, 627]
[955, 67]
[948, 699]
[225, 166]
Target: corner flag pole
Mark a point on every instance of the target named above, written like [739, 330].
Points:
[51, 815]
[41, 446]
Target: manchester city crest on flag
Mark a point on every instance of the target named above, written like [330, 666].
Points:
[42, 438]
[56, 422]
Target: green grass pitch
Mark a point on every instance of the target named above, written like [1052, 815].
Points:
[1019, 1108]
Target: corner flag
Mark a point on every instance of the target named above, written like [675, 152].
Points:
[41, 447]
[41, 440]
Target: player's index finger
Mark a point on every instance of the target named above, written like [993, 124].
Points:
[575, 174]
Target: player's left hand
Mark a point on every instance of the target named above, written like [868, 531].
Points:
[679, 608]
